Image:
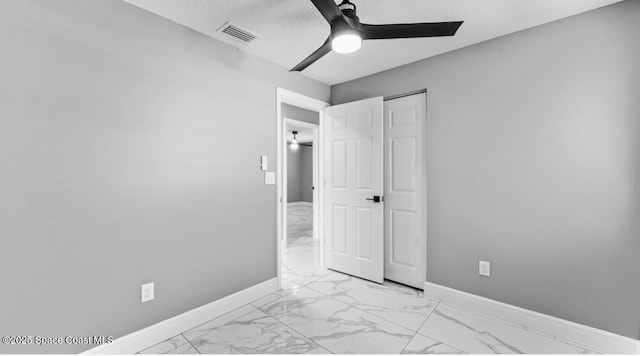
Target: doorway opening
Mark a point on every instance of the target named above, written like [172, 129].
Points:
[300, 193]
[302, 256]
[372, 198]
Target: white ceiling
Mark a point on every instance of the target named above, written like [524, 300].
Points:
[305, 131]
[290, 30]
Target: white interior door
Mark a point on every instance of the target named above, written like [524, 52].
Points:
[353, 146]
[405, 190]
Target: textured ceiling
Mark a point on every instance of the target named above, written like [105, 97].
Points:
[290, 30]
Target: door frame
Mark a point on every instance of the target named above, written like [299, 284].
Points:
[305, 102]
[316, 185]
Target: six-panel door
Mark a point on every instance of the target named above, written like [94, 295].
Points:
[353, 176]
[405, 190]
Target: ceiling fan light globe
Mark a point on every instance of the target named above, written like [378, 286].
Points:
[346, 43]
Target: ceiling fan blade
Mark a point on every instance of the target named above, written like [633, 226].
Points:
[410, 30]
[319, 53]
[328, 9]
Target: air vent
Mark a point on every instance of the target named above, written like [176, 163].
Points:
[237, 33]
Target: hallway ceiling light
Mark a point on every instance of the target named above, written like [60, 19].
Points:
[294, 141]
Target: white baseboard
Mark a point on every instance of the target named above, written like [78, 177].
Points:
[147, 337]
[592, 338]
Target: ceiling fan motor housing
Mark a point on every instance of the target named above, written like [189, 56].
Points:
[347, 8]
[350, 21]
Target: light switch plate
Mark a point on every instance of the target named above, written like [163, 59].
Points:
[269, 177]
[263, 163]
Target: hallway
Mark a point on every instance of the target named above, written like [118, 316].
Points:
[301, 258]
[321, 312]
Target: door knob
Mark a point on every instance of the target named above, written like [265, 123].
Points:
[376, 198]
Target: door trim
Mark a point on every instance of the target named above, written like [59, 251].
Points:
[305, 102]
[398, 96]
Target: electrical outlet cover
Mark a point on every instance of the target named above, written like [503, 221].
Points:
[484, 268]
[146, 292]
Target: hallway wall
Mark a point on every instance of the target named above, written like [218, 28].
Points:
[119, 166]
[300, 114]
[534, 165]
[294, 175]
[306, 167]
[299, 174]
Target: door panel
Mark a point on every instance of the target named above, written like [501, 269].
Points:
[403, 154]
[339, 229]
[339, 164]
[405, 190]
[364, 161]
[402, 241]
[354, 163]
[364, 249]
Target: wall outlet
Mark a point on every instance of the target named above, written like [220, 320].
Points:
[146, 293]
[485, 269]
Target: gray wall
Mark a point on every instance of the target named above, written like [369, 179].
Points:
[294, 175]
[120, 165]
[306, 168]
[300, 174]
[534, 165]
[293, 112]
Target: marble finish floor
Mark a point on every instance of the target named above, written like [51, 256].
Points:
[321, 312]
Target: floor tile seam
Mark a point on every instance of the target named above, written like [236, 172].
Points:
[190, 343]
[316, 279]
[432, 338]
[355, 306]
[421, 325]
[365, 311]
[298, 331]
[441, 342]
[268, 316]
[245, 342]
[156, 344]
[326, 296]
[287, 292]
[210, 320]
[522, 327]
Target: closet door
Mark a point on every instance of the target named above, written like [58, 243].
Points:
[405, 208]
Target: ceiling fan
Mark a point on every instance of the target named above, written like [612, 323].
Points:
[347, 32]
